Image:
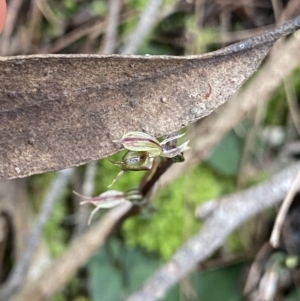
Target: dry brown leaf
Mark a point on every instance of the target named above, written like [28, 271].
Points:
[58, 111]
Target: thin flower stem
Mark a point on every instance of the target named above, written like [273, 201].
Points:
[275, 236]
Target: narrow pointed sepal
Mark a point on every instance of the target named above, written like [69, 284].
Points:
[175, 151]
[108, 199]
[139, 141]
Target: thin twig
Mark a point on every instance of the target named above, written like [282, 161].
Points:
[234, 36]
[83, 212]
[229, 215]
[277, 9]
[275, 236]
[111, 31]
[12, 13]
[55, 20]
[73, 36]
[20, 270]
[34, 28]
[291, 10]
[143, 27]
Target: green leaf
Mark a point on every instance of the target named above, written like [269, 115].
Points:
[293, 296]
[105, 282]
[174, 220]
[219, 284]
[118, 271]
[227, 155]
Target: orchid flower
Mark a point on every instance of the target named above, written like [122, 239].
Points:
[143, 149]
[109, 199]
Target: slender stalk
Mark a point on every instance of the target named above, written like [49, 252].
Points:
[143, 27]
[274, 239]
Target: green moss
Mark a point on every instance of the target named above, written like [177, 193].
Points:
[99, 8]
[70, 5]
[234, 242]
[174, 219]
[136, 4]
[58, 297]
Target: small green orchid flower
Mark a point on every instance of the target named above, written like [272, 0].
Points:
[111, 198]
[143, 149]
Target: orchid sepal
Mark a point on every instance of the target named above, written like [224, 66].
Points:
[175, 151]
[111, 198]
[139, 141]
[108, 199]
